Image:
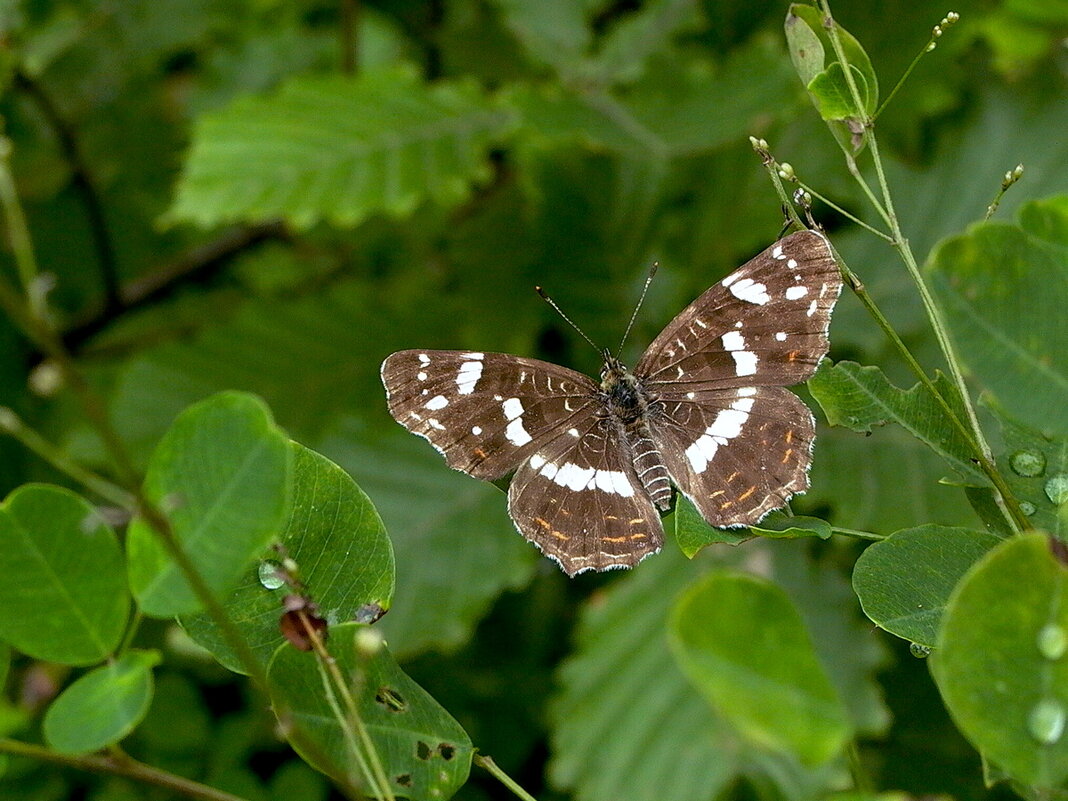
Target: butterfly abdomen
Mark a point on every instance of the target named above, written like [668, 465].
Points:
[649, 465]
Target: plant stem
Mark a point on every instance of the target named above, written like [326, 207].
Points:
[857, 534]
[120, 765]
[488, 764]
[18, 233]
[870, 228]
[34, 442]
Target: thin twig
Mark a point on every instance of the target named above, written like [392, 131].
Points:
[488, 764]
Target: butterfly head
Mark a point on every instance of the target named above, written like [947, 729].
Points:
[621, 387]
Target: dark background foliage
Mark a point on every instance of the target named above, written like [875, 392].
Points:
[186, 170]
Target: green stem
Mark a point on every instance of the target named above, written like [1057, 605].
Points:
[870, 228]
[32, 441]
[120, 765]
[488, 764]
[857, 534]
[19, 234]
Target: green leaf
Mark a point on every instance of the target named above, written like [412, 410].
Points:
[861, 397]
[424, 751]
[554, 32]
[1000, 665]
[103, 706]
[692, 533]
[626, 48]
[448, 531]
[338, 149]
[905, 581]
[788, 527]
[221, 476]
[830, 92]
[338, 542]
[1003, 289]
[64, 593]
[745, 647]
[806, 50]
[1036, 469]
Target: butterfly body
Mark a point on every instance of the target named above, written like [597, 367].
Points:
[705, 408]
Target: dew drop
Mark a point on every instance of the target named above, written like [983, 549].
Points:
[1046, 721]
[1057, 488]
[271, 575]
[1027, 508]
[1028, 462]
[1052, 641]
[919, 651]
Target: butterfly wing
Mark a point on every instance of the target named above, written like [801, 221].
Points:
[579, 499]
[485, 412]
[733, 439]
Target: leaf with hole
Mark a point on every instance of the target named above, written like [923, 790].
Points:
[424, 753]
[744, 646]
[221, 477]
[64, 593]
[1000, 663]
[343, 556]
[103, 706]
[905, 581]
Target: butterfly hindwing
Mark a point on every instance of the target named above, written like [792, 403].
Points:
[579, 499]
[763, 325]
[485, 412]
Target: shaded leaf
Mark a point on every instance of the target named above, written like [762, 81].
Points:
[905, 581]
[64, 593]
[221, 475]
[1000, 665]
[424, 751]
[1003, 289]
[103, 706]
[338, 149]
[861, 397]
[744, 646]
[830, 92]
[338, 542]
[554, 32]
[627, 46]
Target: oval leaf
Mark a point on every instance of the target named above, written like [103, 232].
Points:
[103, 706]
[905, 581]
[744, 646]
[221, 476]
[64, 591]
[338, 542]
[692, 533]
[425, 753]
[1001, 664]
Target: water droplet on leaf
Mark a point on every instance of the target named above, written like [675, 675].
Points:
[1028, 462]
[270, 575]
[1046, 721]
[1057, 488]
[919, 651]
[1052, 641]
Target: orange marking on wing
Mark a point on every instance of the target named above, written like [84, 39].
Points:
[747, 493]
[791, 355]
[610, 517]
[635, 521]
[732, 476]
[613, 539]
[560, 536]
[481, 454]
[638, 536]
[717, 493]
[787, 455]
[789, 435]
[726, 505]
[542, 523]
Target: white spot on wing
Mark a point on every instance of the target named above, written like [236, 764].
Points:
[745, 362]
[424, 359]
[613, 482]
[792, 264]
[750, 291]
[476, 356]
[746, 392]
[796, 292]
[573, 432]
[516, 434]
[697, 321]
[811, 308]
[434, 424]
[421, 375]
[727, 425]
[437, 402]
[574, 477]
[732, 340]
[469, 373]
[536, 461]
[781, 336]
[476, 430]
[513, 408]
[549, 470]
[777, 252]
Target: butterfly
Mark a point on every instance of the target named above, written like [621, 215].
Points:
[705, 409]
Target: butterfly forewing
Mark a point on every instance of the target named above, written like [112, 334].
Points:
[763, 325]
[579, 499]
[485, 412]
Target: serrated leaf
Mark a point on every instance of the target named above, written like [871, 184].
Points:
[999, 662]
[221, 475]
[448, 531]
[103, 706]
[1003, 289]
[622, 678]
[424, 751]
[744, 646]
[338, 149]
[343, 555]
[64, 596]
[905, 581]
[1036, 469]
[861, 397]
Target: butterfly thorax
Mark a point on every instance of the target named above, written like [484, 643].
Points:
[627, 401]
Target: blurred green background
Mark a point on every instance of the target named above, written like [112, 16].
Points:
[206, 219]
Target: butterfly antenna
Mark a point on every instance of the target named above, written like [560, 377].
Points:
[641, 300]
[567, 319]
